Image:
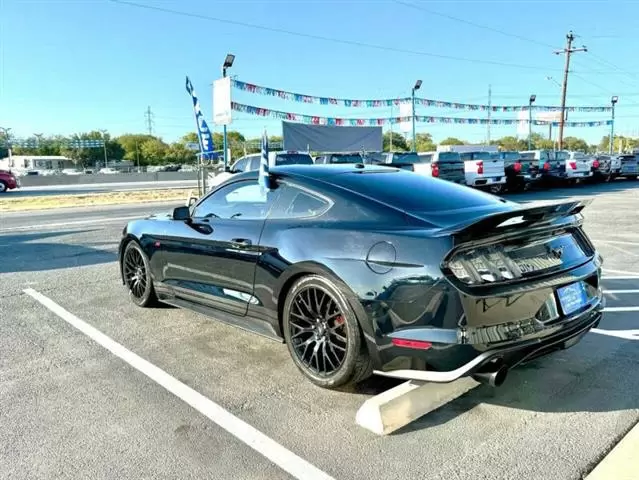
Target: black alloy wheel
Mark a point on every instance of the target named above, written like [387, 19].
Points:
[323, 335]
[137, 276]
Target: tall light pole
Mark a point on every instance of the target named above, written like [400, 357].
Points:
[228, 63]
[418, 84]
[106, 161]
[530, 107]
[613, 101]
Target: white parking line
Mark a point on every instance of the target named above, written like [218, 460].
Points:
[622, 272]
[617, 242]
[66, 224]
[273, 451]
[621, 277]
[621, 309]
[625, 334]
[615, 292]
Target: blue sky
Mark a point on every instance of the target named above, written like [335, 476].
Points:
[72, 66]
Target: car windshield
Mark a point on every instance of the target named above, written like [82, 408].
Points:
[293, 159]
[415, 193]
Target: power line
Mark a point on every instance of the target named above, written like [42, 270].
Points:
[473, 24]
[324, 38]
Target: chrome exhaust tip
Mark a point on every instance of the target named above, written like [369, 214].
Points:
[493, 378]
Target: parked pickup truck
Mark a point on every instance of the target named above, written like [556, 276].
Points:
[521, 171]
[484, 172]
[624, 166]
[577, 165]
[443, 165]
[8, 181]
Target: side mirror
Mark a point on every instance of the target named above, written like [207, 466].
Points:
[181, 213]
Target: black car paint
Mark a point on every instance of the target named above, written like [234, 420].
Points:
[390, 263]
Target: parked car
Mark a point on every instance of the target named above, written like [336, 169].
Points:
[624, 166]
[445, 165]
[521, 172]
[8, 181]
[576, 164]
[324, 158]
[484, 172]
[251, 162]
[601, 168]
[358, 271]
[549, 167]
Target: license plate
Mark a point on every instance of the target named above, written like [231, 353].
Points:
[572, 297]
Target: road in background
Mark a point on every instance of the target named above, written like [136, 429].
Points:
[47, 190]
[71, 409]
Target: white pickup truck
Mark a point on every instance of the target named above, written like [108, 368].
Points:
[578, 165]
[484, 171]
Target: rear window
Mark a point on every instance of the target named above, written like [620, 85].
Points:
[414, 193]
[510, 156]
[293, 159]
[449, 157]
[475, 155]
[405, 158]
[626, 157]
[346, 158]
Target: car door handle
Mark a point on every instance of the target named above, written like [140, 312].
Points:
[241, 242]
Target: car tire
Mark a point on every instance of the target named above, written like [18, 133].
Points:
[3, 186]
[632, 177]
[323, 335]
[496, 189]
[137, 276]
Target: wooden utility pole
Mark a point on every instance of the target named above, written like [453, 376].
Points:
[567, 51]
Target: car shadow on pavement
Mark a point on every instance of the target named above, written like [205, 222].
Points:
[555, 384]
[564, 192]
[31, 252]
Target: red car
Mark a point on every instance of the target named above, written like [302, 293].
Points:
[8, 181]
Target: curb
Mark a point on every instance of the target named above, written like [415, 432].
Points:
[622, 463]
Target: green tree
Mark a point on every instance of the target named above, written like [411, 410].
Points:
[154, 151]
[131, 144]
[576, 144]
[424, 142]
[399, 142]
[452, 141]
[510, 143]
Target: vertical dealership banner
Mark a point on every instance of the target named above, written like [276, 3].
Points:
[222, 101]
[203, 132]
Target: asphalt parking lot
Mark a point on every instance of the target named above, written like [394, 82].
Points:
[71, 408]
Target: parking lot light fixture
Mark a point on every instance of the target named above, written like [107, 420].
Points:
[530, 107]
[613, 101]
[418, 84]
[228, 63]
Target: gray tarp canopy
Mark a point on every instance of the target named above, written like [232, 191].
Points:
[331, 138]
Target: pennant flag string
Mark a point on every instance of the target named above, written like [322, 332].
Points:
[343, 102]
[368, 122]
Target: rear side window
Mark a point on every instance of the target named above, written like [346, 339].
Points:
[293, 159]
[405, 158]
[512, 156]
[414, 193]
[255, 162]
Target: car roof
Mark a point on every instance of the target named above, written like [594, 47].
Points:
[322, 171]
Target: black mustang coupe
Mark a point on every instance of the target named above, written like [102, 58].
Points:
[366, 270]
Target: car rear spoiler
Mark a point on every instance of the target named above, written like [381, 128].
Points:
[505, 222]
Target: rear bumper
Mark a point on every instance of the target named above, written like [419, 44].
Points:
[578, 174]
[508, 356]
[486, 181]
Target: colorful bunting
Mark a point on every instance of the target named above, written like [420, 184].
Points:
[368, 122]
[343, 102]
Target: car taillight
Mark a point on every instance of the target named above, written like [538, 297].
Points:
[518, 167]
[547, 166]
[435, 170]
[480, 167]
[595, 164]
[573, 165]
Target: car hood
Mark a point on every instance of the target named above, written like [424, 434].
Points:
[168, 215]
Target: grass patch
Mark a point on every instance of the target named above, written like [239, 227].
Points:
[8, 204]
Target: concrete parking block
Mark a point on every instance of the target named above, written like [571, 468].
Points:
[395, 408]
[622, 463]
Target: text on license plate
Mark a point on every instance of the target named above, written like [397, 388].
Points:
[572, 297]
